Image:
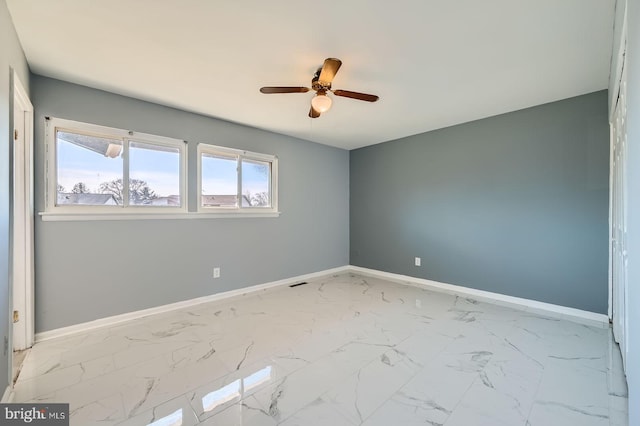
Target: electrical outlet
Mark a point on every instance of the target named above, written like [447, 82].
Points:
[418, 261]
[216, 272]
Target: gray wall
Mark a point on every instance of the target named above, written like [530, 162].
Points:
[633, 213]
[11, 57]
[89, 270]
[515, 204]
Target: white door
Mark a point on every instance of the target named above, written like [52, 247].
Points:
[619, 219]
[23, 211]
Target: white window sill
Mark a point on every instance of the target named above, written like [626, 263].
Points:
[70, 217]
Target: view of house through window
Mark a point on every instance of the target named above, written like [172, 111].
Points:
[219, 181]
[84, 169]
[100, 166]
[234, 179]
[154, 175]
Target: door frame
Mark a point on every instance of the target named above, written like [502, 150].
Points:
[22, 279]
[618, 281]
[612, 109]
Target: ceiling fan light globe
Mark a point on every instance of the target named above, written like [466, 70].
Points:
[321, 103]
[113, 150]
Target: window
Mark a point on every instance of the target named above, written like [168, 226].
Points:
[102, 173]
[235, 181]
[96, 169]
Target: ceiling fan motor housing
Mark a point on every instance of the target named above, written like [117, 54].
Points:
[315, 82]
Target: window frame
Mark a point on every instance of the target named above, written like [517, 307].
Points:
[240, 155]
[53, 125]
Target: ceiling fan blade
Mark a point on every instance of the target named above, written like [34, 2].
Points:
[313, 113]
[329, 70]
[284, 89]
[355, 95]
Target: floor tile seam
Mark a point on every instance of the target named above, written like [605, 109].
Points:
[273, 357]
[193, 389]
[28, 382]
[536, 393]
[420, 370]
[43, 376]
[134, 411]
[274, 384]
[24, 362]
[462, 397]
[351, 373]
[190, 397]
[524, 416]
[145, 361]
[230, 406]
[478, 377]
[612, 374]
[97, 401]
[117, 368]
[316, 358]
[322, 393]
[501, 339]
[122, 406]
[301, 409]
[152, 409]
[509, 338]
[22, 378]
[610, 400]
[74, 350]
[582, 370]
[612, 411]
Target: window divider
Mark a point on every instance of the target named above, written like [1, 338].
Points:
[239, 189]
[125, 172]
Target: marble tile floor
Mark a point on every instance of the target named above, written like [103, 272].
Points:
[340, 350]
[16, 363]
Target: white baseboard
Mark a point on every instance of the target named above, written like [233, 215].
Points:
[8, 395]
[118, 319]
[577, 315]
[548, 309]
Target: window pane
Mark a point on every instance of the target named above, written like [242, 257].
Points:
[89, 170]
[255, 183]
[154, 175]
[219, 181]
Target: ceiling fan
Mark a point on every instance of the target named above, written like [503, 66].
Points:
[321, 83]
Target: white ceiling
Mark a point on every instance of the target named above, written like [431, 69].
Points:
[433, 63]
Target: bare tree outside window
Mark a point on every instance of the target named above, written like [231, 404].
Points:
[139, 191]
[259, 199]
[80, 188]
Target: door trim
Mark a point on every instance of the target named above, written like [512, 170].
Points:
[22, 294]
